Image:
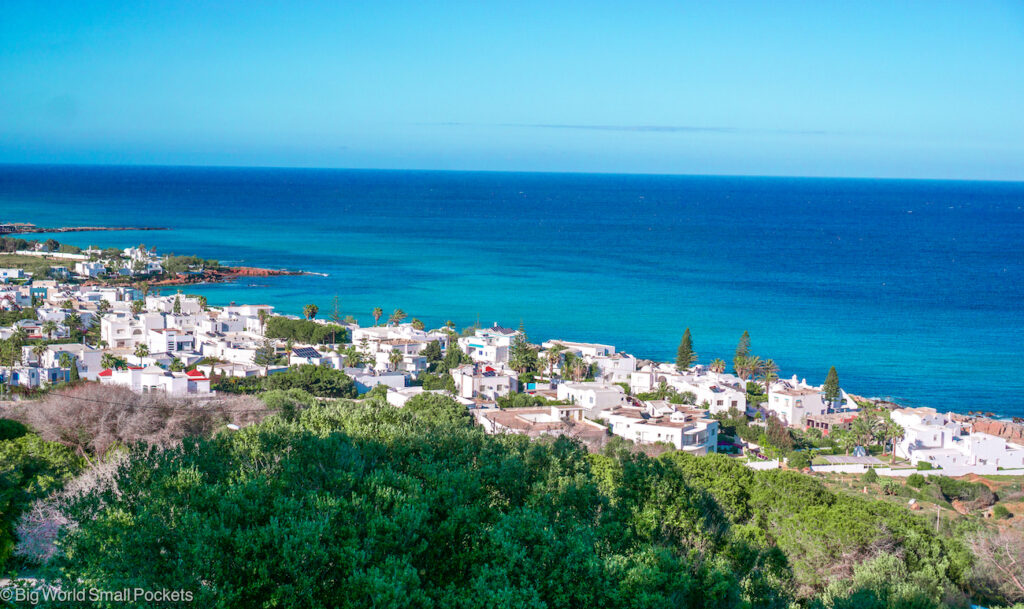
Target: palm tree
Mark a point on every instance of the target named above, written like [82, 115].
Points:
[108, 361]
[553, 356]
[144, 288]
[579, 369]
[19, 336]
[310, 311]
[141, 350]
[138, 306]
[397, 317]
[895, 431]
[395, 358]
[718, 365]
[747, 366]
[38, 351]
[103, 306]
[843, 439]
[377, 312]
[64, 360]
[49, 328]
[769, 373]
[262, 316]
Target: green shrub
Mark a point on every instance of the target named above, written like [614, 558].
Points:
[890, 487]
[9, 430]
[1000, 512]
[870, 476]
[923, 466]
[916, 480]
[305, 331]
[798, 460]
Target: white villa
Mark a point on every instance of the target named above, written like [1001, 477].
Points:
[153, 379]
[944, 443]
[686, 429]
[596, 398]
[793, 400]
[476, 381]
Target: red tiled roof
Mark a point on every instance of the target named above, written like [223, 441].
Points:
[106, 372]
[194, 373]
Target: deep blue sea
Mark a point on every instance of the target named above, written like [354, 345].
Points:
[914, 290]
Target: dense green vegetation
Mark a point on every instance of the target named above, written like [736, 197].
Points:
[182, 264]
[319, 381]
[305, 331]
[30, 468]
[361, 504]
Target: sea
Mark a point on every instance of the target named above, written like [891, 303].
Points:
[912, 289]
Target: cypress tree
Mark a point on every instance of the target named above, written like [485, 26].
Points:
[743, 348]
[685, 355]
[831, 388]
[742, 351]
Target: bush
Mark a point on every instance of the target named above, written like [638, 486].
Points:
[1000, 512]
[870, 476]
[890, 487]
[798, 460]
[923, 466]
[975, 492]
[305, 331]
[318, 380]
[916, 480]
[9, 430]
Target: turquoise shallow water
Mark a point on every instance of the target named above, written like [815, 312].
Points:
[912, 289]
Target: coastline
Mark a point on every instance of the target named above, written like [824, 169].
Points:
[225, 275]
[20, 228]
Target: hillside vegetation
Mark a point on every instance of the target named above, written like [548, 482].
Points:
[352, 504]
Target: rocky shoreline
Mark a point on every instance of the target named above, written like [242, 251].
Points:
[20, 228]
[224, 275]
[1011, 431]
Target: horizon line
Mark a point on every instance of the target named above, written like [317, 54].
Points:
[509, 171]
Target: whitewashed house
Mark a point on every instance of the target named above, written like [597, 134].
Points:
[477, 381]
[793, 400]
[153, 379]
[90, 269]
[944, 443]
[686, 429]
[596, 398]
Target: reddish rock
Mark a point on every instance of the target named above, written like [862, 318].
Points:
[1012, 432]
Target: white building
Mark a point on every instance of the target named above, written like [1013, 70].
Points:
[90, 269]
[309, 355]
[9, 274]
[170, 340]
[153, 379]
[87, 359]
[551, 420]
[686, 429]
[615, 368]
[585, 350]
[944, 443]
[793, 400]
[596, 398]
[476, 381]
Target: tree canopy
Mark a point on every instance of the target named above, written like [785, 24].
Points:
[362, 504]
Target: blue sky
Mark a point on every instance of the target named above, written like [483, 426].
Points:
[887, 89]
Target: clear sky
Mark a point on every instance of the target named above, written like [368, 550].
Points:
[890, 89]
